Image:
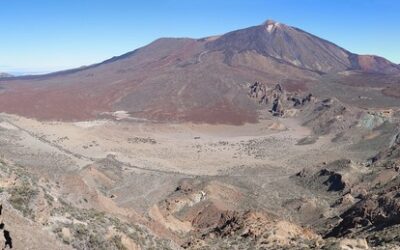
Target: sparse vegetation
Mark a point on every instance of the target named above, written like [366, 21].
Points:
[93, 225]
[21, 197]
[117, 242]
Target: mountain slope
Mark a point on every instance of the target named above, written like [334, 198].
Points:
[293, 46]
[203, 80]
[285, 44]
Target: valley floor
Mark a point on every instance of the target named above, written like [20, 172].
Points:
[131, 171]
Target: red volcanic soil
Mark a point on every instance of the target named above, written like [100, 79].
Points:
[50, 105]
[361, 79]
[393, 91]
[295, 86]
[69, 104]
[376, 64]
[221, 113]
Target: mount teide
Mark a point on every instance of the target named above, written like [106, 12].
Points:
[182, 79]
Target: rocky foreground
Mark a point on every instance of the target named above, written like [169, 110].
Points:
[316, 173]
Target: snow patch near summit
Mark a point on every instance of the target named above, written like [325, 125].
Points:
[270, 27]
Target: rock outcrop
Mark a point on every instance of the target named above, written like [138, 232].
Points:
[378, 207]
[338, 176]
[330, 116]
[376, 211]
[254, 230]
[363, 198]
[277, 99]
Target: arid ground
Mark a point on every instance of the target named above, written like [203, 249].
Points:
[262, 138]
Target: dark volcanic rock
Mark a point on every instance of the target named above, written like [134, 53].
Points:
[376, 211]
[338, 176]
[377, 214]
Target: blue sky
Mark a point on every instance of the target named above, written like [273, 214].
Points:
[48, 35]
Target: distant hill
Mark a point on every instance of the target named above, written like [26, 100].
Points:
[3, 75]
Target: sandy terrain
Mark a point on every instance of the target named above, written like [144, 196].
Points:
[190, 149]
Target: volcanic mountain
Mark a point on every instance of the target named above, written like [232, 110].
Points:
[182, 79]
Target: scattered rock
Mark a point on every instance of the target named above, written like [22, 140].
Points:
[353, 244]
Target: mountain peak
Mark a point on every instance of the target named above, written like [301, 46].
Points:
[271, 25]
[270, 22]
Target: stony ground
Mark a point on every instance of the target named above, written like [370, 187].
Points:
[151, 185]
